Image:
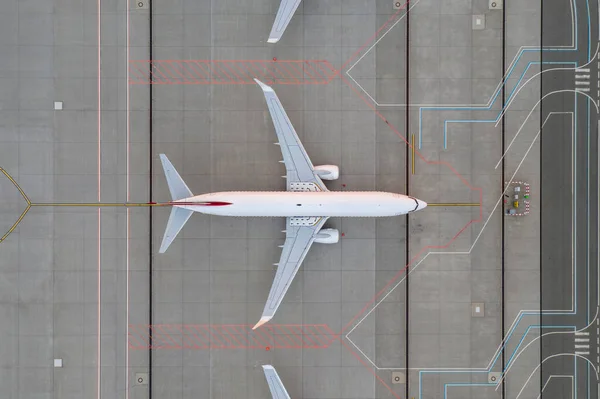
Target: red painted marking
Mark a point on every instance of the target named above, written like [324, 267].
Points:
[195, 72]
[370, 368]
[375, 35]
[207, 203]
[267, 348]
[423, 250]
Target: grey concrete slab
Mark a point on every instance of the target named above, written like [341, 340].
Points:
[219, 270]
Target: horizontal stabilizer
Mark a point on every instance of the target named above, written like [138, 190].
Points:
[177, 186]
[177, 219]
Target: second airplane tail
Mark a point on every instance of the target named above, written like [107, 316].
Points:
[179, 216]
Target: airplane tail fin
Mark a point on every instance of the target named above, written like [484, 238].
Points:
[179, 216]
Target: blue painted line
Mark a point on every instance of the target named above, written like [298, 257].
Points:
[464, 385]
[482, 108]
[574, 140]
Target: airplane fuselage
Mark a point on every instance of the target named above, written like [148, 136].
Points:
[290, 203]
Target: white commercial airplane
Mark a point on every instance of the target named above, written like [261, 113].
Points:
[276, 387]
[287, 8]
[307, 204]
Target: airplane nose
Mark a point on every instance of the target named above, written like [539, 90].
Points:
[421, 205]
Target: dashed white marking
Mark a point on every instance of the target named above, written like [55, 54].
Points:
[582, 70]
[582, 333]
[582, 340]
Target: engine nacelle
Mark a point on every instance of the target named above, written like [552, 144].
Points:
[328, 236]
[327, 172]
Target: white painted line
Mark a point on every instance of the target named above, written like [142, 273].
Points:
[582, 353]
[582, 70]
[502, 81]
[582, 340]
[554, 376]
[539, 365]
[582, 83]
[583, 89]
[582, 76]
[467, 253]
[582, 333]
[581, 346]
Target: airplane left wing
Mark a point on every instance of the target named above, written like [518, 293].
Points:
[286, 11]
[297, 243]
[300, 170]
[276, 387]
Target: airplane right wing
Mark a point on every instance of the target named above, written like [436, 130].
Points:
[287, 8]
[301, 174]
[300, 235]
[278, 391]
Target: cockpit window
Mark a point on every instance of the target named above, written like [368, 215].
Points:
[416, 203]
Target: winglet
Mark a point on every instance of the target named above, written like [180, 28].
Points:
[263, 86]
[262, 321]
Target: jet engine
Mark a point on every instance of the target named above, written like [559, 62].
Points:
[328, 172]
[328, 236]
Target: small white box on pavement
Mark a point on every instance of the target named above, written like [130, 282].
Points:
[57, 362]
[478, 22]
[58, 105]
[477, 309]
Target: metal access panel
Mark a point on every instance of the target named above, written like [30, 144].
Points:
[398, 4]
[141, 4]
[493, 378]
[141, 378]
[398, 377]
[496, 4]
